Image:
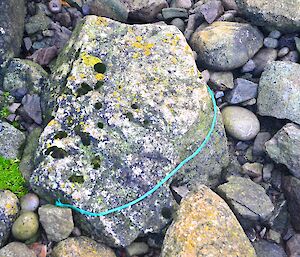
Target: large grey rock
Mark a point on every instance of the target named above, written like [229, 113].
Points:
[281, 14]
[291, 188]
[279, 91]
[16, 249]
[9, 209]
[11, 139]
[217, 45]
[248, 200]
[113, 138]
[24, 74]
[205, 226]
[57, 222]
[11, 28]
[284, 148]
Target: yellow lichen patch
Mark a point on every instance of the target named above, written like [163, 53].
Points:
[90, 60]
[136, 55]
[144, 46]
[71, 78]
[53, 123]
[101, 21]
[174, 60]
[99, 76]
[81, 75]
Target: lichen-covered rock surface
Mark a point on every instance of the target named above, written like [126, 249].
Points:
[205, 226]
[128, 106]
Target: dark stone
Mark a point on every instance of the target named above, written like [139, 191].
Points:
[259, 143]
[32, 106]
[293, 246]
[262, 58]
[44, 56]
[243, 90]
[212, 10]
[265, 248]
[291, 188]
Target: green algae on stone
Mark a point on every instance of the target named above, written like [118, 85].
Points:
[11, 178]
[149, 112]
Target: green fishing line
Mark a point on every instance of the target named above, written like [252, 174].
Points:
[165, 179]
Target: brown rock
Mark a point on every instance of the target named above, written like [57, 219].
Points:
[44, 56]
[205, 226]
[81, 247]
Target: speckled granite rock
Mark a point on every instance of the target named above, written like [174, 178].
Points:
[279, 91]
[217, 45]
[205, 226]
[9, 209]
[11, 28]
[16, 249]
[81, 247]
[282, 14]
[129, 107]
[11, 139]
[24, 74]
[284, 148]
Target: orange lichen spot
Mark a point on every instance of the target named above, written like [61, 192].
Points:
[99, 76]
[90, 60]
[64, 3]
[101, 21]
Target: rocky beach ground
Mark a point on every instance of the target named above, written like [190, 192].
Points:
[101, 99]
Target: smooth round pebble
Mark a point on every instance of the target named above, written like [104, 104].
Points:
[283, 52]
[179, 23]
[275, 34]
[270, 42]
[240, 123]
[30, 202]
[25, 226]
[55, 6]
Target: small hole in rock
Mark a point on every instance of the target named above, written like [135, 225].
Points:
[76, 179]
[98, 105]
[99, 84]
[84, 136]
[134, 106]
[60, 135]
[56, 152]
[146, 122]
[96, 162]
[129, 115]
[166, 213]
[84, 89]
[100, 125]
[100, 67]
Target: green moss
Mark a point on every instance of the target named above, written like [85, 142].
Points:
[11, 178]
[4, 112]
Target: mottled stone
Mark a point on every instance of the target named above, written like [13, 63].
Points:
[262, 58]
[291, 188]
[219, 43]
[171, 13]
[211, 10]
[16, 249]
[248, 200]
[113, 9]
[9, 209]
[240, 123]
[57, 222]
[37, 23]
[29, 202]
[205, 226]
[81, 247]
[11, 28]
[145, 10]
[24, 74]
[122, 122]
[11, 139]
[284, 148]
[281, 14]
[279, 91]
[223, 80]
[293, 246]
[26, 226]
